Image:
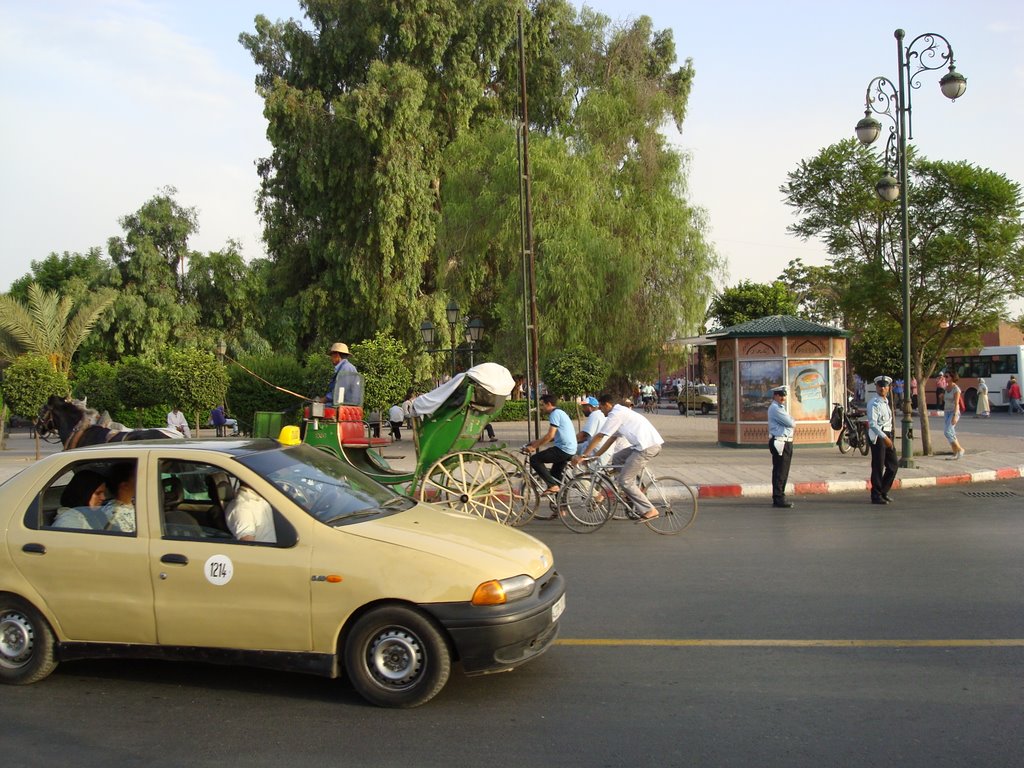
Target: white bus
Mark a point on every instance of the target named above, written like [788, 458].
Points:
[995, 364]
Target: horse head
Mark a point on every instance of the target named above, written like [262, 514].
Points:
[58, 419]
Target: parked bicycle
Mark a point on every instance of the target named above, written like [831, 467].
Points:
[592, 498]
[853, 431]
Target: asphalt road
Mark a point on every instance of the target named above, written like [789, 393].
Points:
[835, 633]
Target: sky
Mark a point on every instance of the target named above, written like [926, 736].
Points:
[106, 102]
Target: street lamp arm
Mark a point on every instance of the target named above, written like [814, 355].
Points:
[929, 58]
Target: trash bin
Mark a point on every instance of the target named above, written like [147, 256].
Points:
[267, 423]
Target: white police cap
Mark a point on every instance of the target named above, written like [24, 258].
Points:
[783, 390]
[883, 381]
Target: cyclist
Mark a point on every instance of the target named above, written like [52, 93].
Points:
[650, 397]
[644, 444]
[563, 439]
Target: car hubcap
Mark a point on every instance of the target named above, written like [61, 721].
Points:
[396, 657]
[15, 640]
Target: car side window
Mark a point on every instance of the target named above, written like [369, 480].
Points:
[203, 501]
[87, 497]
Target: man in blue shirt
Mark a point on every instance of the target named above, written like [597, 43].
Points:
[339, 356]
[780, 444]
[562, 436]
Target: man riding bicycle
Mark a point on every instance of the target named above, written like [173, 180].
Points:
[644, 444]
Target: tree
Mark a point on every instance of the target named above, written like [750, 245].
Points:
[386, 378]
[574, 372]
[150, 312]
[96, 382]
[749, 301]
[248, 394]
[815, 291]
[965, 248]
[68, 274]
[196, 382]
[29, 381]
[372, 112]
[49, 325]
[140, 385]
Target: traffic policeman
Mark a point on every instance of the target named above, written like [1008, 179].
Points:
[883, 449]
[780, 444]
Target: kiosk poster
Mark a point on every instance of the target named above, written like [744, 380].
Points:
[726, 392]
[839, 382]
[809, 392]
[757, 379]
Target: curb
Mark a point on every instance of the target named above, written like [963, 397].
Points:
[758, 490]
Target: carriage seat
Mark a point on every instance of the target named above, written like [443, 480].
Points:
[351, 427]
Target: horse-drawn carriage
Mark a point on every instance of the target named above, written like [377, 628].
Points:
[447, 421]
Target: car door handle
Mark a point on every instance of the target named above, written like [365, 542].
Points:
[174, 559]
[34, 549]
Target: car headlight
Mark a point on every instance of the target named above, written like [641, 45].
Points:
[497, 592]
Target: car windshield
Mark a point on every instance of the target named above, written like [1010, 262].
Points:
[330, 490]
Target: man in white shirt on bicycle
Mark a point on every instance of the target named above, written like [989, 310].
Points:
[644, 443]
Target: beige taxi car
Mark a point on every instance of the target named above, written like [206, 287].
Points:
[250, 552]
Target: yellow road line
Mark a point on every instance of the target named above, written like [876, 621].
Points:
[782, 643]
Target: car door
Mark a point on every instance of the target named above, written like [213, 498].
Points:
[213, 591]
[95, 582]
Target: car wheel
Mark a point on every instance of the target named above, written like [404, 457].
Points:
[397, 657]
[682, 408]
[705, 408]
[26, 643]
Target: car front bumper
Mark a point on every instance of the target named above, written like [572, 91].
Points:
[496, 638]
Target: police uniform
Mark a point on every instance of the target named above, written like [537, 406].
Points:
[780, 445]
[883, 457]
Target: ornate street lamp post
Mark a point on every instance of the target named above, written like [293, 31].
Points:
[474, 332]
[894, 102]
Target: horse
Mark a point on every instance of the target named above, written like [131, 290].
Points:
[74, 424]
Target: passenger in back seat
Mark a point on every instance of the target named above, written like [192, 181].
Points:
[81, 502]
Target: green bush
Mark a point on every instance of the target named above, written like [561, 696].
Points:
[96, 382]
[247, 394]
[28, 383]
[143, 418]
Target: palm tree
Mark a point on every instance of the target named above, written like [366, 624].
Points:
[49, 324]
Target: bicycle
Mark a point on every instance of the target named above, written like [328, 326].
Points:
[650, 404]
[529, 489]
[592, 498]
[852, 434]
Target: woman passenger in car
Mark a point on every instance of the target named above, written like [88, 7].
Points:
[81, 502]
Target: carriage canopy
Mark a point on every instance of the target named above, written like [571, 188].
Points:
[493, 383]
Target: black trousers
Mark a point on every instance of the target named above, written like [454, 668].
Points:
[396, 430]
[557, 458]
[780, 470]
[883, 467]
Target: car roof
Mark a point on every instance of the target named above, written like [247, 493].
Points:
[240, 447]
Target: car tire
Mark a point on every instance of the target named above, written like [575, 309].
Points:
[682, 409]
[26, 643]
[396, 657]
[705, 408]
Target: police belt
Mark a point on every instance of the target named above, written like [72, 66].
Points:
[780, 437]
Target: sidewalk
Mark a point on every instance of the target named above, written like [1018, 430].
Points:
[691, 450]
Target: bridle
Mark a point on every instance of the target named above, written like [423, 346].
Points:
[49, 431]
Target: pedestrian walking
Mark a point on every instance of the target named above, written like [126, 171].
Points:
[983, 408]
[780, 445]
[1013, 395]
[396, 416]
[954, 406]
[883, 449]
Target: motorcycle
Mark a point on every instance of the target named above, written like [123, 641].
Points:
[853, 432]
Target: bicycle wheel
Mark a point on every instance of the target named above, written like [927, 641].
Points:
[676, 503]
[587, 503]
[470, 482]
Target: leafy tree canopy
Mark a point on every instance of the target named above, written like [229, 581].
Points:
[575, 372]
[386, 377]
[749, 301]
[965, 246]
[29, 381]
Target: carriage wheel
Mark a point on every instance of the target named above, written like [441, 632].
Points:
[525, 500]
[470, 482]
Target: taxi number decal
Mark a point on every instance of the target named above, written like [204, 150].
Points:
[219, 570]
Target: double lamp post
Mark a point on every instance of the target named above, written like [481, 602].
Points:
[474, 331]
[924, 53]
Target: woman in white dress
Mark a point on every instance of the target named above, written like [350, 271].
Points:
[983, 407]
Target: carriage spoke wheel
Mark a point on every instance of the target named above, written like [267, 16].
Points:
[471, 482]
[525, 500]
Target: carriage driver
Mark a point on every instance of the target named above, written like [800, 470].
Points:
[339, 356]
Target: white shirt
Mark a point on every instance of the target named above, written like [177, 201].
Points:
[395, 413]
[177, 420]
[632, 427]
[879, 418]
[249, 514]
